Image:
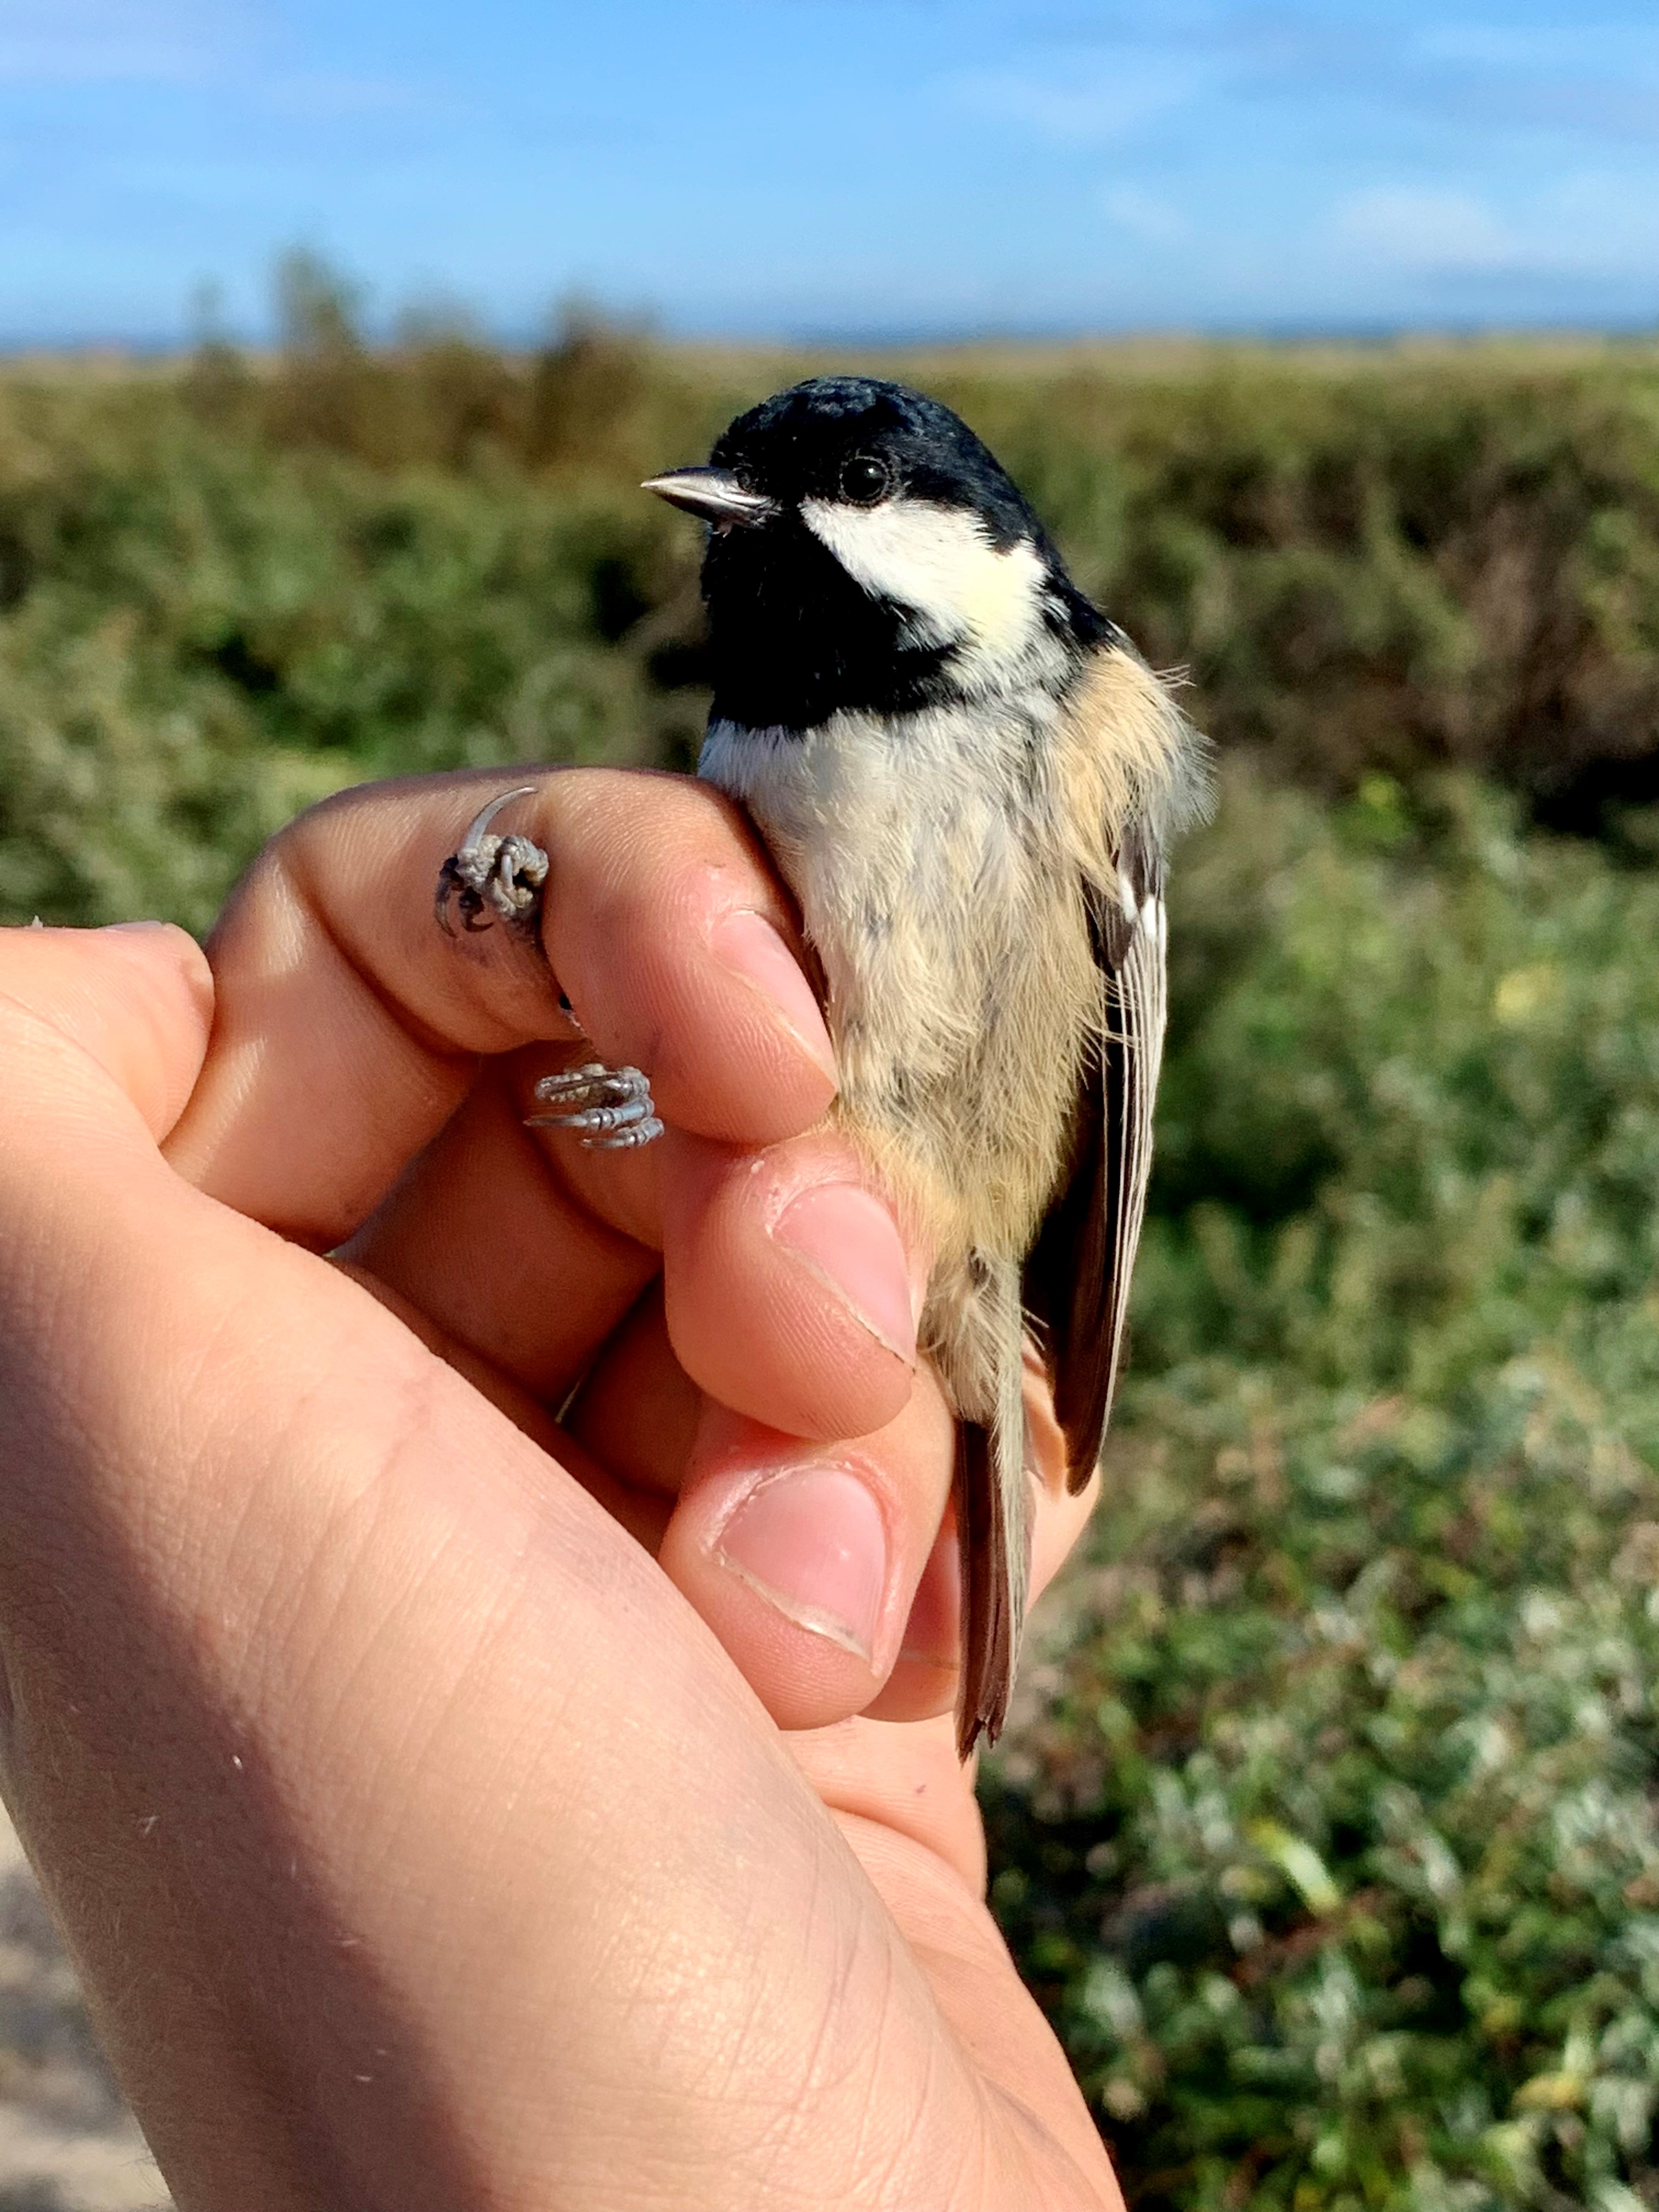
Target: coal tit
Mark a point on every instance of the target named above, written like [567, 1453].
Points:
[968, 779]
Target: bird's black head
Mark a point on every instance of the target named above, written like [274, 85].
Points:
[868, 552]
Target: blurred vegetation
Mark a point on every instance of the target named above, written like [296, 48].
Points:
[226, 587]
[1328, 1832]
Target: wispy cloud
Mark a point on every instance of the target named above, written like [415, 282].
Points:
[319, 96]
[1588, 80]
[1095, 101]
[1143, 214]
[1555, 49]
[1584, 227]
[1434, 233]
[228, 43]
[110, 41]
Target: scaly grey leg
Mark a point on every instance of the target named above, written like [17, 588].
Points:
[490, 877]
[610, 1106]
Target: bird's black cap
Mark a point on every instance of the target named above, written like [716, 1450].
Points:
[796, 446]
[794, 638]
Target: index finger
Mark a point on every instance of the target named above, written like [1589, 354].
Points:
[349, 1027]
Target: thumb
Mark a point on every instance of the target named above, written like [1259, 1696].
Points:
[135, 1000]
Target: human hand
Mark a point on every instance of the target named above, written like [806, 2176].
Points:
[423, 1838]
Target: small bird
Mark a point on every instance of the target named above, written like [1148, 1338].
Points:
[968, 779]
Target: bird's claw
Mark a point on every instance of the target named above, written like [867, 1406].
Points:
[609, 1107]
[493, 878]
[490, 877]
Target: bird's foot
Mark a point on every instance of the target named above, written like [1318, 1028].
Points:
[609, 1107]
[492, 878]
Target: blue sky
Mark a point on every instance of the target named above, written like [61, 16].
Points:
[851, 168]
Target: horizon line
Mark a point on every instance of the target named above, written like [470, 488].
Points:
[1357, 331]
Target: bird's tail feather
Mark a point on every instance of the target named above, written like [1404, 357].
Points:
[994, 1524]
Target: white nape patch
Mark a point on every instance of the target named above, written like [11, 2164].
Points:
[939, 561]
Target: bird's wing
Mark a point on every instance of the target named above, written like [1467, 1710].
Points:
[1076, 1284]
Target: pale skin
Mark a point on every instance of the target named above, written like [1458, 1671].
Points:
[442, 1817]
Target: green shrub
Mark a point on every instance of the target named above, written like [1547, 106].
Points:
[1327, 1833]
[272, 576]
[200, 634]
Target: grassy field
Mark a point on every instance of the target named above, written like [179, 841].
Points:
[1327, 1833]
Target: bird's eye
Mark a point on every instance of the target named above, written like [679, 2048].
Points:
[866, 479]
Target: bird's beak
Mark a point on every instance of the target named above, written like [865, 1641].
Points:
[713, 494]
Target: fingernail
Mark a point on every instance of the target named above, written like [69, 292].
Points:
[746, 942]
[848, 1240]
[812, 1542]
[137, 925]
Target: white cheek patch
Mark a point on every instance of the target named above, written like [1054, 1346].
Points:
[939, 561]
